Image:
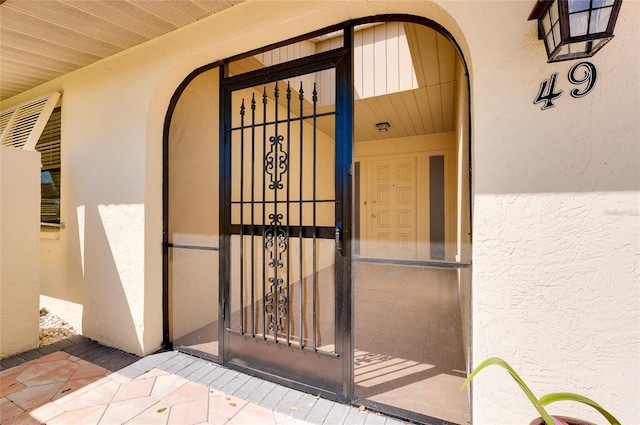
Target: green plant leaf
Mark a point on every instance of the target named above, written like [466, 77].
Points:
[547, 399]
[497, 361]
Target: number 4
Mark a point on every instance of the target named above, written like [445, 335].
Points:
[547, 94]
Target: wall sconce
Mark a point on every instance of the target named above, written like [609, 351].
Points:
[574, 29]
[383, 127]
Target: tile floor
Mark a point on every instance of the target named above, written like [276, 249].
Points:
[408, 340]
[164, 388]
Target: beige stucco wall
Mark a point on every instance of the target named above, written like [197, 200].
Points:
[19, 250]
[555, 194]
[556, 220]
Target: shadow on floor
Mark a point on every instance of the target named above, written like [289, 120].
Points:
[83, 348]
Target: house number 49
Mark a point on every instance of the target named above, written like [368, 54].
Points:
[548, 93]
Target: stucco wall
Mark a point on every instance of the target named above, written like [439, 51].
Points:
[555, 193]
[556, 220]
[19, 250]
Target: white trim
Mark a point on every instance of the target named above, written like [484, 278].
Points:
[56, 225]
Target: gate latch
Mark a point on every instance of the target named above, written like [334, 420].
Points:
[339, 237]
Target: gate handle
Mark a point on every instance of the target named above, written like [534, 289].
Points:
[339, 237]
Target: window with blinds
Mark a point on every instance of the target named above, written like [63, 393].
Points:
[49, 147]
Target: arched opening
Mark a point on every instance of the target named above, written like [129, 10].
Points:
[412, 221]
[191, 205]
[387, 295]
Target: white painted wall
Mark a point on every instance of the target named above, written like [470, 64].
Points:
[556, 193]
[19, 250]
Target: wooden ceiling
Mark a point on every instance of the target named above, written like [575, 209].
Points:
[405, 74]
[42, 40]
[427, 105]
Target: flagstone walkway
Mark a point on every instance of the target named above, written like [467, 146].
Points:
[78, 381]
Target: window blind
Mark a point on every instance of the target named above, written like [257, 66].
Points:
[49, 143]
[22, 126]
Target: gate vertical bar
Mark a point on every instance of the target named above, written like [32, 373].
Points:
[241, 159]
[253, 213]
[288, 214]
[301, 282]
[263, 313]
[275, 317]
[315, 170]
[224, 212]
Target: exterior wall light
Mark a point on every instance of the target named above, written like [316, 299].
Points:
[383, 127]
[574, 29]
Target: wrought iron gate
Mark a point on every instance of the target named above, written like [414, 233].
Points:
[282, 240]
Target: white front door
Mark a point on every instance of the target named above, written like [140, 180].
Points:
[392, 183]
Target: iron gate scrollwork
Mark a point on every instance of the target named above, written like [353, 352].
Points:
[276, 165]
[277, 302]
[267, 212]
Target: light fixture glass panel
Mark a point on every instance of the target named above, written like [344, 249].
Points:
[599, 20]
[578, 23]
[578, 47]
[564, 50]
[556, 34]
[553, 10]
[602, 3]
[578, 5]
[597, 44]
[550, 45]
[546, 24]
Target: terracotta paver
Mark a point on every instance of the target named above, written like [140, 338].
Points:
[165, 385]
[86, 416]
[8, 410]
[192, 412]
[157, 414]
[222, 408]
[46, 412]
[134, 389]
[31, 397]
[9, 385]
[120, 412]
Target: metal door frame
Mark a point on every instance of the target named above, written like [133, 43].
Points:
[338, 387]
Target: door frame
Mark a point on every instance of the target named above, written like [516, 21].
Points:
[342, 183]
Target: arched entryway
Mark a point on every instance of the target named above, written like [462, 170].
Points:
[318, 219]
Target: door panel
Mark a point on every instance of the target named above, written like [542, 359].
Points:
[280, 229]
[393, 209]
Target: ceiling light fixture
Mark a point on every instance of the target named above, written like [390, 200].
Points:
[383, 127]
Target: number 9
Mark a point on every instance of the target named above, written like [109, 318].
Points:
[590, 77]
